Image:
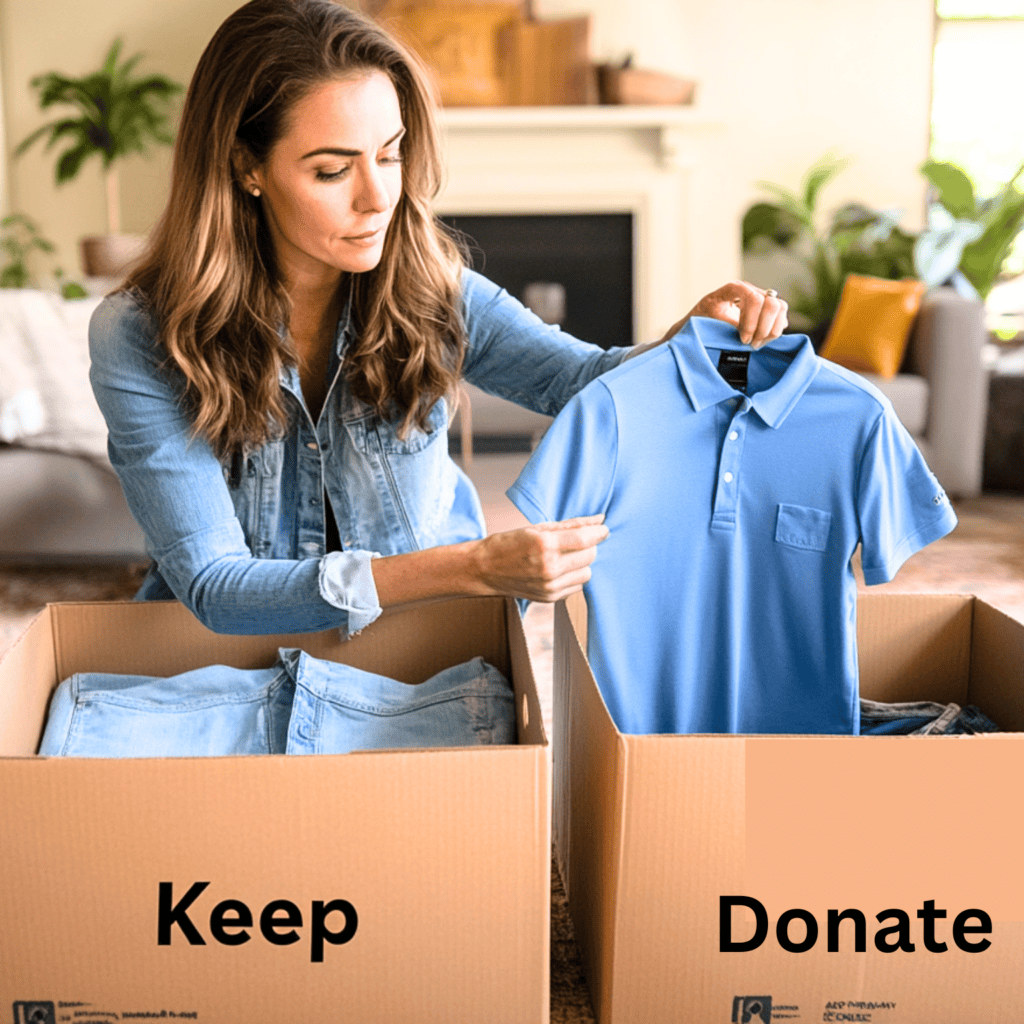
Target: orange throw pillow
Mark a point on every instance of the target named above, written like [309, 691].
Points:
[872, 324]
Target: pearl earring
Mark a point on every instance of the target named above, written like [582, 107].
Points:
[254, 190]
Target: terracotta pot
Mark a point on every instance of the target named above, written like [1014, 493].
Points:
[110, 255]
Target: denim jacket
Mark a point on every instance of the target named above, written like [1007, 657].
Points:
[241, 542]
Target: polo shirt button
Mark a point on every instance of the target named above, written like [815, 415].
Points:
[727, 478]
[733, 436]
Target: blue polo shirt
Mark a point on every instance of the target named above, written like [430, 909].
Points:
[723, 599]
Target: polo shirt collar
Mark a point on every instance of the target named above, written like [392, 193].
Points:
[705, 385]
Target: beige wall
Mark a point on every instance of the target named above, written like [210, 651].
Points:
[788, 79]
[792, 79]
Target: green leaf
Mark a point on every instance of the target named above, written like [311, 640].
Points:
[937, 252]
[766, 220]
[819, 175]
[62, 129]
[73, 290]
[983, 259]
[14, 276]
[71, 160]
[122, 73]
[955, 189]
[110, 61]
[790, 202]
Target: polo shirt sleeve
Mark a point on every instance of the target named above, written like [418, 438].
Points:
[572, 470]
[901, 504]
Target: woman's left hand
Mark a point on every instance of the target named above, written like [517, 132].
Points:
[757, 315]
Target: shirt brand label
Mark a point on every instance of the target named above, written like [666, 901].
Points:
[733, 368]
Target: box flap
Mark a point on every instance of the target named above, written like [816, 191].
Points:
[529, 717]
[997, 666]
[914, 646]
[589, 773]
[28, 673]
[166, 638]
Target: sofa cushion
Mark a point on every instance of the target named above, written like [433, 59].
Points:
[872, 324]
[46, 400]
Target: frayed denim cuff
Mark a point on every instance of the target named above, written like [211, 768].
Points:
[346, 581]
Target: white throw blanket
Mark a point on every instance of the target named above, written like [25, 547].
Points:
[45, 397]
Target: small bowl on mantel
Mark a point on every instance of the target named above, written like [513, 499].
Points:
[629, 85]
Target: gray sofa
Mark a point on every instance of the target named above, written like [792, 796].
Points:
[63, 509]
[941, 391]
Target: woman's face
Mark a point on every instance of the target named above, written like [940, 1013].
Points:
[330, 184]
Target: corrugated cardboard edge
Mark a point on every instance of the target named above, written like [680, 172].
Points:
[585, 736]
[997, 666]
[29, 663]
[531, 730]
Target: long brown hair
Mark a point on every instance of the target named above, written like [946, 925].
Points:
[210, 276]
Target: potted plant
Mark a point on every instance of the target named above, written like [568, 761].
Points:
[115, 114]
[19, 238]
[965, 243]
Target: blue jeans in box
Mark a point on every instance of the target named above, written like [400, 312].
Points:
[921, 718]
[219, 710]
[338, 708]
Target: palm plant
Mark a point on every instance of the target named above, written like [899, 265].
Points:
[965, 242]
[117, 114]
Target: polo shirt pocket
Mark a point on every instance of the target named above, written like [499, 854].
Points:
[802, 527]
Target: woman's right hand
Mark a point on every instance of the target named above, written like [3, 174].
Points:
[544, 562]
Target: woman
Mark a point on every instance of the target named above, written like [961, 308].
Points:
[274, 375]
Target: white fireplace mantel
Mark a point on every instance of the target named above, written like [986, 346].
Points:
[668, 124]
[657, 163]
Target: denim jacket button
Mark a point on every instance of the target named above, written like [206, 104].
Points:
[312, 445]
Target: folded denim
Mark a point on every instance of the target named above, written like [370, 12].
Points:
[300, 705]
[338, 708]
[922, 718]
[210, 711]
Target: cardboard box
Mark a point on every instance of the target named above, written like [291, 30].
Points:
[442, 855]
[652, 831]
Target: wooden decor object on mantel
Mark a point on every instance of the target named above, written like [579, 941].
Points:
[458, 41]
[629, 85]
[547, 63]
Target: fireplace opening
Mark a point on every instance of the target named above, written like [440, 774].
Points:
[575, 270]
